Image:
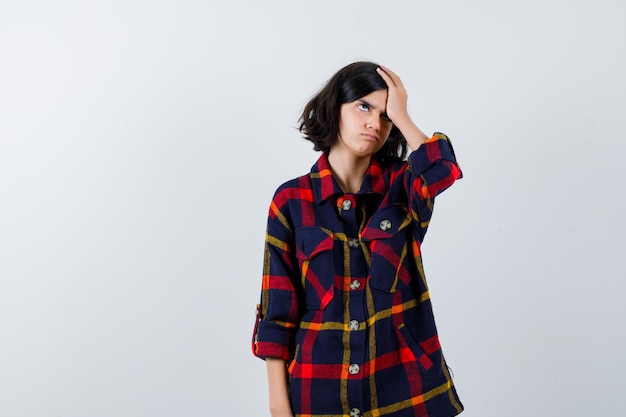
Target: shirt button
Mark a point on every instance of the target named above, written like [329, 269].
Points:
[353, 243]
[355, 285]
[385, 225]
[354, 369]
[353, 325]
[355, 412]
[346, 205]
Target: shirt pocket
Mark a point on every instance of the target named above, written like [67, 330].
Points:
[389, 242]
[416, 351]
[314, 248]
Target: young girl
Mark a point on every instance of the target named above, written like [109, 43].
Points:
[345, 321]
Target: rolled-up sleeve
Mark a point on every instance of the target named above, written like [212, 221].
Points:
[278, 312]
[432, 169]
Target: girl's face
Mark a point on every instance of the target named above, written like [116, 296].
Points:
[363, 125]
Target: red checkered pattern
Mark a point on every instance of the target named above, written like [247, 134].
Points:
[344, 299]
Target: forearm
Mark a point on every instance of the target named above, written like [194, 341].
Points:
[413, 135]
[277, 381]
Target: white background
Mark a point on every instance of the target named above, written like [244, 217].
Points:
[141, 142]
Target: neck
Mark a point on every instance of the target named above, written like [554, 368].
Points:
[348, 170]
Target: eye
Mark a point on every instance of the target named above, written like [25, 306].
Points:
[363, 107]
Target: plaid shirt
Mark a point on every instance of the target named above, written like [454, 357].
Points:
[344, 298]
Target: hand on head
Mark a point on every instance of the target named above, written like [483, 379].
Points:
[397, 96]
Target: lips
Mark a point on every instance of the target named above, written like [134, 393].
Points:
[371, 136]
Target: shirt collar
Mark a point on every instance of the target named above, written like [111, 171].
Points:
[324, 185]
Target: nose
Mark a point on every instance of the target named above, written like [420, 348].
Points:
[373, 122]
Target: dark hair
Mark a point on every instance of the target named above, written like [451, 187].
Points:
[319, 122]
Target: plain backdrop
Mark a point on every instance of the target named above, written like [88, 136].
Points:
[141, 142]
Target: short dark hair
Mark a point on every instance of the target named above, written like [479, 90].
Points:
[319, 122]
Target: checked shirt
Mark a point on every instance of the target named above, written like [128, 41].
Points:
[344, 299]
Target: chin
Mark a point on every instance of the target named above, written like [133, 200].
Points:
[364, 153]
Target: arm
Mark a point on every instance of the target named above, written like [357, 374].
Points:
[432, 169]
[277, 383]
[432, 162]
[279, 313]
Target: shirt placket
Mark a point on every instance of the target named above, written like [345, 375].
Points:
[355, 312]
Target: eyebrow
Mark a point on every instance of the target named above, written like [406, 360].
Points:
[367, 104]
[370, 106]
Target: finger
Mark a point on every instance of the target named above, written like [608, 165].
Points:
[396, 79]
[388, 80]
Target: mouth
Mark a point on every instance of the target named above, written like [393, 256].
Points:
[371, 137]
